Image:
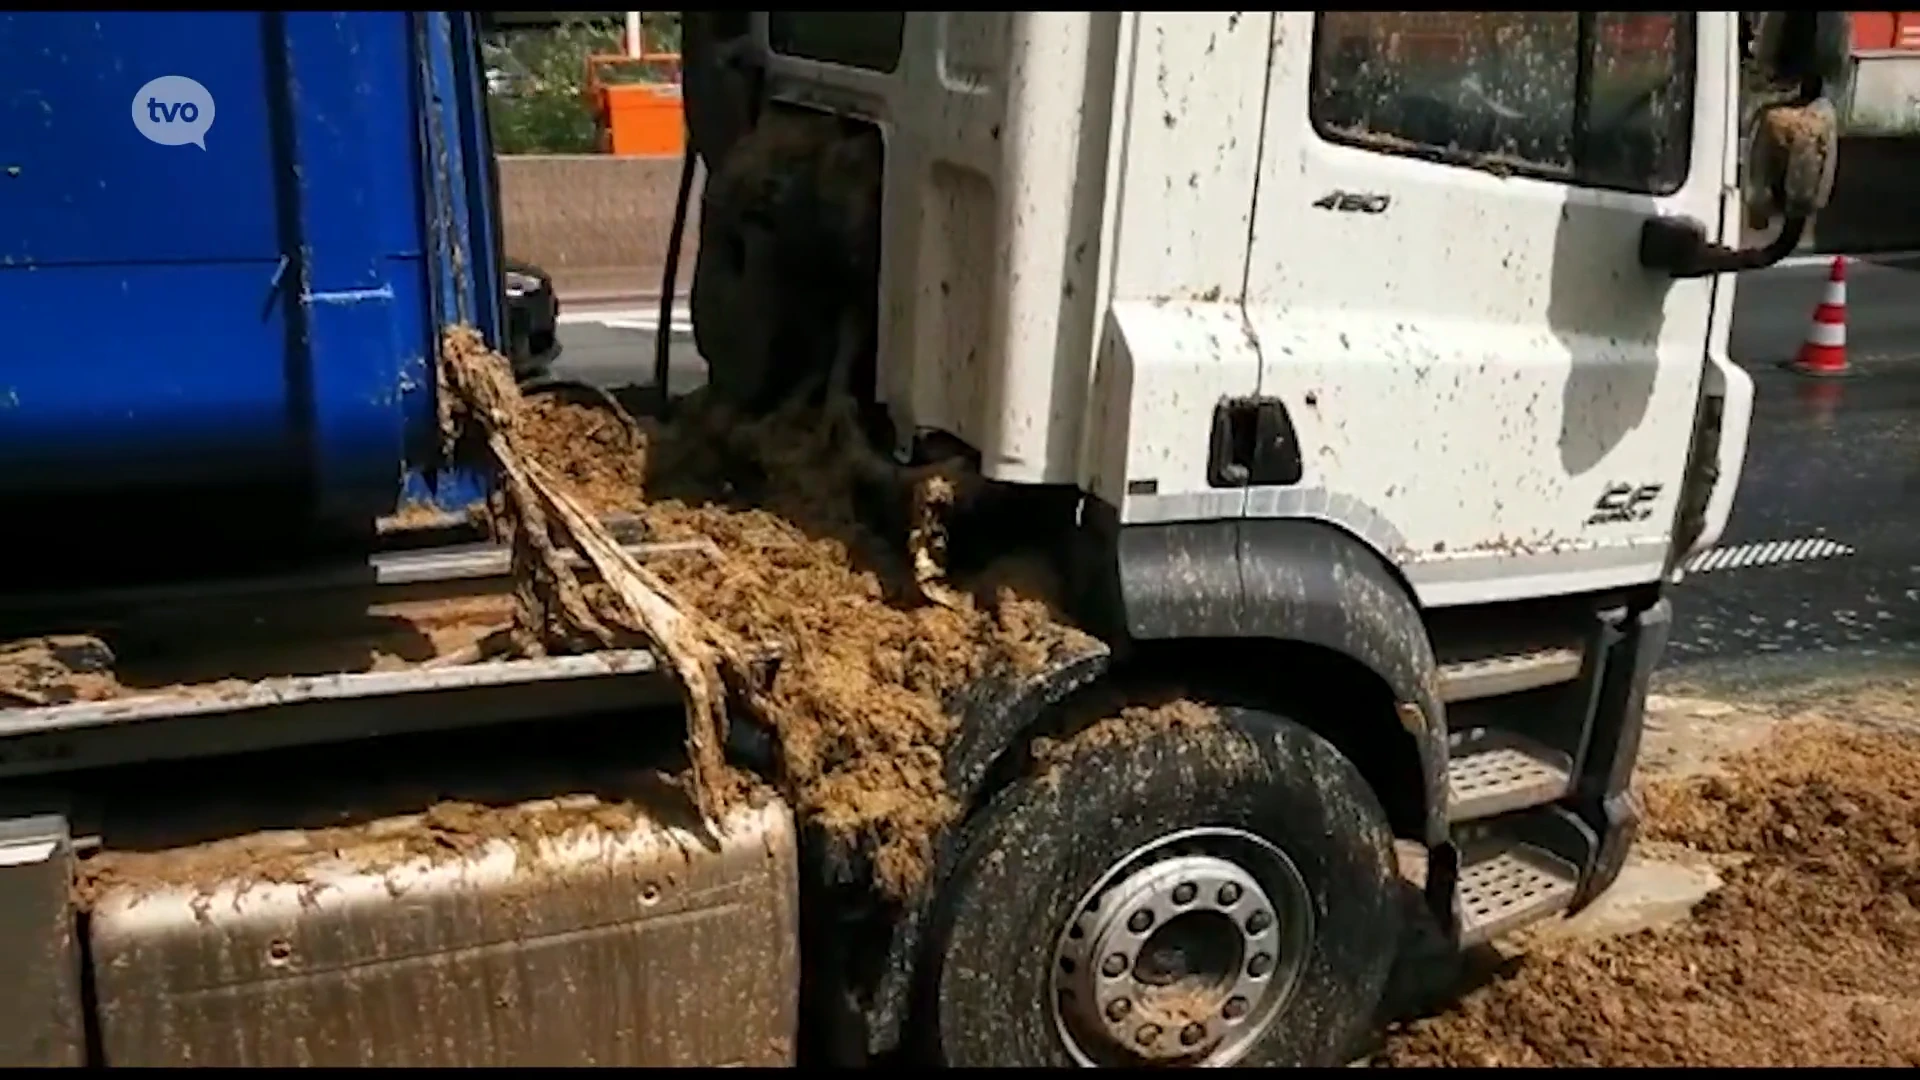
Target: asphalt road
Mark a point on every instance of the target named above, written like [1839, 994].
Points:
[615, 347]
[1820, 565]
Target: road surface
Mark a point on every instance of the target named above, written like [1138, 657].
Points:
[1821, 562]
[1820, 566]
[612, 347]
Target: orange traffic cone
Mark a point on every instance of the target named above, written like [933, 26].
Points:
[1825, 350]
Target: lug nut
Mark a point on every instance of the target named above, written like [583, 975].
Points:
[1139, 921]
[1185, 892]
[1235, 1008]
[1228, 895]
[1114, 966]
[1118, 1008]
[1258, 922]
[1147, 1034]
[1191, 1034]
[1259, 965]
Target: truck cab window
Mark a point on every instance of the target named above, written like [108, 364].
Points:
[1601, 99]
[861, 39]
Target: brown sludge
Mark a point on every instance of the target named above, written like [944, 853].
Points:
[66, 669]
[1809, 954]
[56, 670]
[869, 642]
[1129, 723]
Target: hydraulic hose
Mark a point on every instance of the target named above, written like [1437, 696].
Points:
[663, 334]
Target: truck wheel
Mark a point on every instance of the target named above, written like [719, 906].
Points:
[1211, 896]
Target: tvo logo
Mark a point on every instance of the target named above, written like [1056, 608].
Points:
[173, 110]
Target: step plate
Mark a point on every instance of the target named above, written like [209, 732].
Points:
[1494, 676]
[1510, 889]
[1496, 779]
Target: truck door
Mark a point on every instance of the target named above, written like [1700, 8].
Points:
[1446, 291]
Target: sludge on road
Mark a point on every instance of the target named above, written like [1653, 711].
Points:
[1807, 954]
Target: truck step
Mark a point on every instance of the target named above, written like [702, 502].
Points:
[1509, 888]
[1492, 772]
[1508, 673]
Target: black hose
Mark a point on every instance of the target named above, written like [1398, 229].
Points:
[663, 336]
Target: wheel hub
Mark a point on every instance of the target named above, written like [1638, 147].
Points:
[1182, 953]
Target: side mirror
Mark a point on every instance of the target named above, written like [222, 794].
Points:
[1791, 157]
[1792, 128]
[1679, 247]
[1793, 147]
[1792, 152]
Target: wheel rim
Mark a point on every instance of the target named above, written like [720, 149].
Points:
[1183, 953]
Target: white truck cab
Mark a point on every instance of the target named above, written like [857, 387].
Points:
[1388, 259]
[1378, 361]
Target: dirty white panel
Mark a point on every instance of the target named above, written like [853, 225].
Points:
[1163, 368]
[1472, 355]
[1184, 161]
[1002, 239]
[1724, 379]
[997, 127]
[1191, 147]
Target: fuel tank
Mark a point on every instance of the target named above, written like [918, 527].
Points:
[228, 244]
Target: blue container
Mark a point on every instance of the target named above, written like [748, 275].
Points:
[260, 312]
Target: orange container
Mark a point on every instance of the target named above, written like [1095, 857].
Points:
[1885, 30]
[645, 118]
[639, 117]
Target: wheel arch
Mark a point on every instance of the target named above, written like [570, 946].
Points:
[1292, 588]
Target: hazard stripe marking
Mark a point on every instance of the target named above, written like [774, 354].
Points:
[1766, 553]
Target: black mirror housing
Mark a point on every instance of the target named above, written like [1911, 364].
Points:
[1678, 247]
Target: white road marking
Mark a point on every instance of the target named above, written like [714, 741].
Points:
[1792, 261]
[629, 318]
[1766, 553]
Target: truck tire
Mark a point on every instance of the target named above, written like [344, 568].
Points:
[1223, 895]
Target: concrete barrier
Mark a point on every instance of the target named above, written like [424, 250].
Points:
[597, 223]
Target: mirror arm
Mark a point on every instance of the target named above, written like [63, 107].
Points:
[1679, 247]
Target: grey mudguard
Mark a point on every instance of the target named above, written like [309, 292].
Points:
[1292, 579]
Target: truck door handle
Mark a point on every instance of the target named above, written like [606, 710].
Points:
[1253, 442]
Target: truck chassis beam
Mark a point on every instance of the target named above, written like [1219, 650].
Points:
[278, 713]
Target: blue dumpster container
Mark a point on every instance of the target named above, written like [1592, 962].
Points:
[237, 283]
